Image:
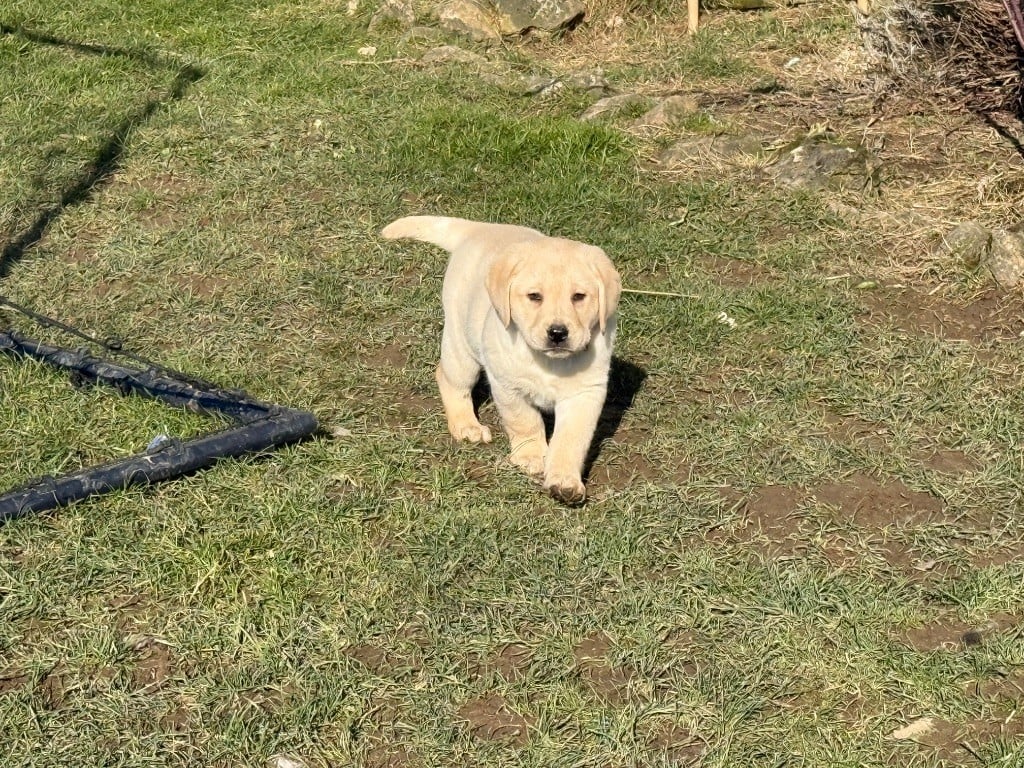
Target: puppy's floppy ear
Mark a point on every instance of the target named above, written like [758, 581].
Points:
[499, 285]
[609, 287]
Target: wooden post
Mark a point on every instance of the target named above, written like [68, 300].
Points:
[693, 15]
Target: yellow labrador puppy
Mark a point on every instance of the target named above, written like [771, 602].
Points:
[537, 313]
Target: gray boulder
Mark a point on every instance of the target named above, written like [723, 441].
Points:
[668, 112]
[517, 17]
[609, 106]
[484, 20]
[969, 242]
[1005, 259]
[727, 149]
[817, 162]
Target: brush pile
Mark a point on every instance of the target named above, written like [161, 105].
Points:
[964, 52]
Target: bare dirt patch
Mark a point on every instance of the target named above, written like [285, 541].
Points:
[370, 656]
[606, 681]
[154, 663]
[736, 273]
[948, 461]
[869, 503]
[953, 635]
[512, 661]
[12, 681]
[394, 354]
[676, 745]
[771, 521]
[491, 719]
[992, 316]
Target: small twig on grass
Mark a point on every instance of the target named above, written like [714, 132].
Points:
[357, 62]
[660, 293]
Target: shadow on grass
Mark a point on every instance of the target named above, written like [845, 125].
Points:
[108, 158]
[624, 381]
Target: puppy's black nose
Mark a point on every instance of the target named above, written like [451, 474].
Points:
[557, 334]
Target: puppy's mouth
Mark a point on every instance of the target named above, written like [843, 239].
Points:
[558, 352]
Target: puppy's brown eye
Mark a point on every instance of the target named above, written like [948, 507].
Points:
[535, 297]
[576, 297]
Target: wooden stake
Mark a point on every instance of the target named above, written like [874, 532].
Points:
[693, 15]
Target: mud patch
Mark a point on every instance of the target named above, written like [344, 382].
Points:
[491, 719]
[1003, 687]
[52, 688]
[176, 720]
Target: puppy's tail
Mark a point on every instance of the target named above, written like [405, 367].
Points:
[440, 230]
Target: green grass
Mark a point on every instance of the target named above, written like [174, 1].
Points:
[358, 599]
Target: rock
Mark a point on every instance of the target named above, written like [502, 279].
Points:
[668, 112]
[1005, 258]
[730, 149]
[399, 12]
[489, 20]
[613, 105]
[816, 162]
[464, 17]
[594, 82]
[969, 242]
[517, 17]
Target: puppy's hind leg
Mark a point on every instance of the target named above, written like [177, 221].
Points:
[456, 375]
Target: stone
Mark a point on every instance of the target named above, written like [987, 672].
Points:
[1005, 259]
[668, 112]
[969, 242]
[492, 19]
[517, 17]
[613, 105]
[542, 85]
[399, 12]
[730, 149]
[817, 162]
[464, 17]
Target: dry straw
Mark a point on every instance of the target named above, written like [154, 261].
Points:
[967, 52]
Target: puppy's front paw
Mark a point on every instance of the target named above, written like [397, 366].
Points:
[474, 432]
[568, 490]
[529, 457]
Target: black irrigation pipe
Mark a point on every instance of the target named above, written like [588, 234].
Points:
[261, 427]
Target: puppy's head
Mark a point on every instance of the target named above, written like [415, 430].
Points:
[556, 292]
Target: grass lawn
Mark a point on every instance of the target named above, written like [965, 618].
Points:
[803, 544]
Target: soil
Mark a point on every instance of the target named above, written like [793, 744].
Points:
[608, 682]
[491, 719]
